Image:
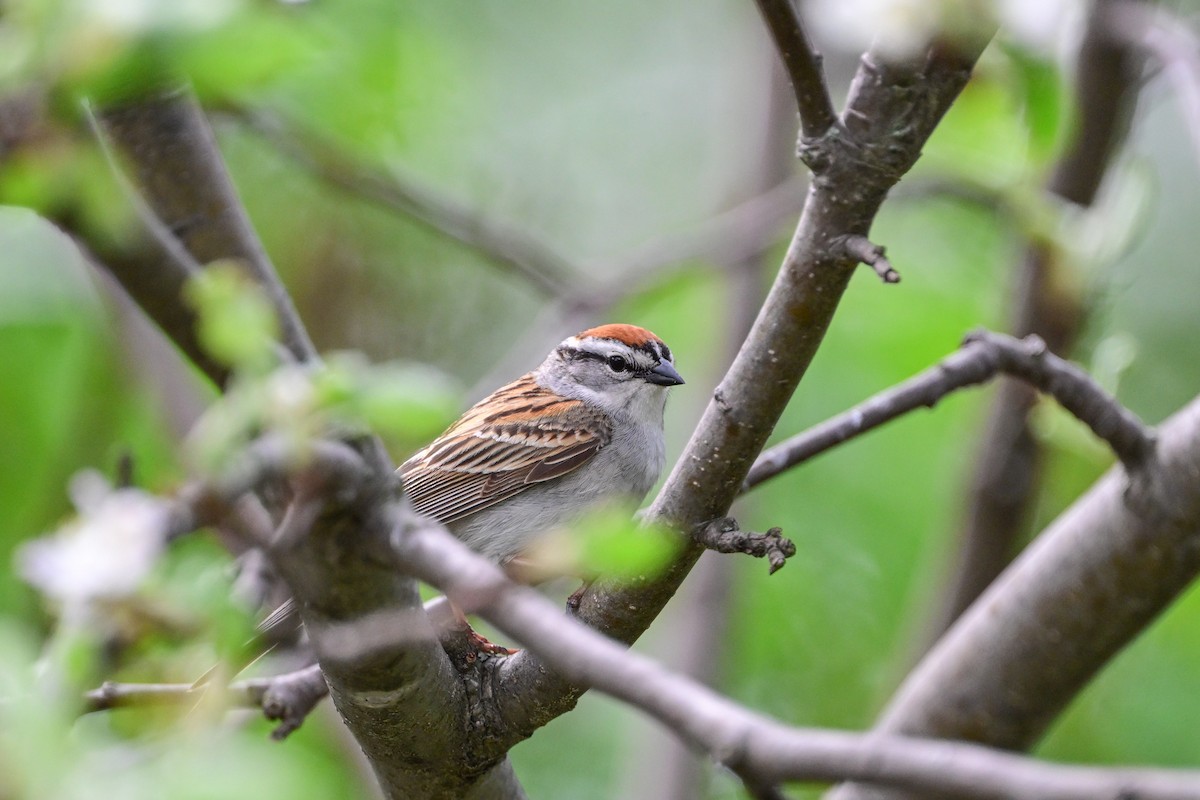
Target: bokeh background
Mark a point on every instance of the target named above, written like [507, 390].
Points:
[620, 136]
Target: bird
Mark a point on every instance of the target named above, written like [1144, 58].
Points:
[583, 429]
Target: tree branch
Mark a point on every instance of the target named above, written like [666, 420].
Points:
[331, 570]
[728, 237]
[1005, 477]
[803, 66]
[761, 751]
[881, 135]
[982, 356]
[150, 273]
[287, 699]
[1082, 591]
[165, 137]
[505, 245]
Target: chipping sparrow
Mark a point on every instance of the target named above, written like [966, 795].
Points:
[584, 427]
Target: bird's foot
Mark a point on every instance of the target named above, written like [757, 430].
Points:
[480, 644]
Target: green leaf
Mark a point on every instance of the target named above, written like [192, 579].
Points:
[192, 584]
[981, 138]
[257, 46]
[1040, 90]
[237, 325]
[616, 544]
[406, 403]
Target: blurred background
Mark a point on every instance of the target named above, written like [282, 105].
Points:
[465, 183]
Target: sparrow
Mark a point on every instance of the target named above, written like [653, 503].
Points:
[584, 428]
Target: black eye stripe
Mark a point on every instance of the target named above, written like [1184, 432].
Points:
[634, 359]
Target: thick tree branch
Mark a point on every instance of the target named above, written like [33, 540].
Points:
[881, 135]
[1005, 478]
[761, 751]
[699, 623]
[330, 571]
[982, 356]
[803, 66]
[151, 270]
[1090, 583]
[151, 275]
[165, 137]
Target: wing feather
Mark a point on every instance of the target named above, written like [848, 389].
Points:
[517, 437]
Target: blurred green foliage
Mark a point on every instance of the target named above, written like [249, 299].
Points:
[598, 128]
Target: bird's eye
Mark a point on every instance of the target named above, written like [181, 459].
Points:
[617, 364]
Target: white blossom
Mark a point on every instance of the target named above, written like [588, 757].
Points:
[1044, 26]
[135, 17]
[897, 29]
[105, 552]
[900, 29]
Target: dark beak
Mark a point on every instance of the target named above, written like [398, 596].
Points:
[664, 374]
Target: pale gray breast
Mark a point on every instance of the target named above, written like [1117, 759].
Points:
[622, 471]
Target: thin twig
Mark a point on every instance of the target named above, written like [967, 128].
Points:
[728, 237]
[803, 66]
[505, 245]
[982, 356]
[1172, 43]
[731, 237]
[286, 698]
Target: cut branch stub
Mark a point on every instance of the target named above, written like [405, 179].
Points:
[290, 698]
[725, 536]
[863, 250]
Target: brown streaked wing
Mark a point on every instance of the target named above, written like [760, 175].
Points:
[519, 436]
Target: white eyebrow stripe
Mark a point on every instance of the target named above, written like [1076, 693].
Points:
[605, 348]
